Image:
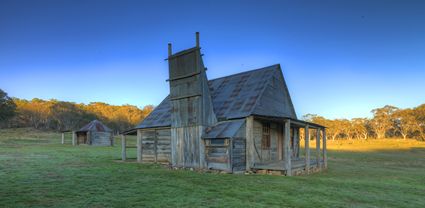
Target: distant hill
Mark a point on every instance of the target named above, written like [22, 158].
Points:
[61, 115]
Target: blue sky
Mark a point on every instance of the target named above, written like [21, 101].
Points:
[340, 59]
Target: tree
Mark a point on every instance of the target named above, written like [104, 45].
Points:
[383, 120]
[346, 128]
[314, 119]
[420, 120]
[147, 110]
[359, 126]
[406, 123]
[118, 117]
[7, 107]
[68, 116]
[333, 126]
[62, 115]
[36, 112]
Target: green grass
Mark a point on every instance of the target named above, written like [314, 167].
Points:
[37, 171]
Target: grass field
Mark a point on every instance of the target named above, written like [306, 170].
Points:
[37, 171]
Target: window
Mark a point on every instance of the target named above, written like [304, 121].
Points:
[217, 142]
[265, 140]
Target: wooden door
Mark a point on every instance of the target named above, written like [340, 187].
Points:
[280, 142]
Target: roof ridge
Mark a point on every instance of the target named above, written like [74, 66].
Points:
[92, 124]
[244, 72]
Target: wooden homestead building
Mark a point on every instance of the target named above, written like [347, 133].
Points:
[94, 133]
[242, 122]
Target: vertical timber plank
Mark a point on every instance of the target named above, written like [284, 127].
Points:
[307, 148]
[280, 142]
[156, 146]
[230, 153]
[139, 145]
[174, 146]
[318, 147]
[112, 139]
[249, 143]
[88, 136]
[73, 138]
[123, 148]
[202, 160]
[325, 154]
[287, 147]
[63, 138]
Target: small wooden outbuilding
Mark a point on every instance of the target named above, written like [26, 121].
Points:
[95, 133]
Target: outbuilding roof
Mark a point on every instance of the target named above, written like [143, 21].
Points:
[258, 92]
[95, 125]
[224, 129]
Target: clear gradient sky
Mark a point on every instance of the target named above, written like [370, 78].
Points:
[340, 58]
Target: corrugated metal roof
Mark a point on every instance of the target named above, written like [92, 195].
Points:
[95, 125]
[262, 92]
[159, 117]
[224, 129]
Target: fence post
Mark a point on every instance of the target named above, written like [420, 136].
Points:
[139, 145]
[307, 148]
[287, 148]
[325, 154]
[123, 148]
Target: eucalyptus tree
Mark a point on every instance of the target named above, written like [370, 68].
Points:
[7, 107]
[383, 120]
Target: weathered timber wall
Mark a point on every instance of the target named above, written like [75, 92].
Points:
[227, 154]
[148, 145]
[156, 145]
[276, 142]
[264, 155]
[185, 112]
[187, 148]
[257, 134]
[163, 148]
[218, 154]
[101, 138]
[274, 131]
[189, 91]
[238, 154]
[191, 108]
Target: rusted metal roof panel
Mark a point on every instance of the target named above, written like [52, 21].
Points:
[95, 125]
[159, 117]
[261, 92]
[224, 129]
[235, 96]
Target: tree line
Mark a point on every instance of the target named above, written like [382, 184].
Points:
[387, 122]
[61, 115]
